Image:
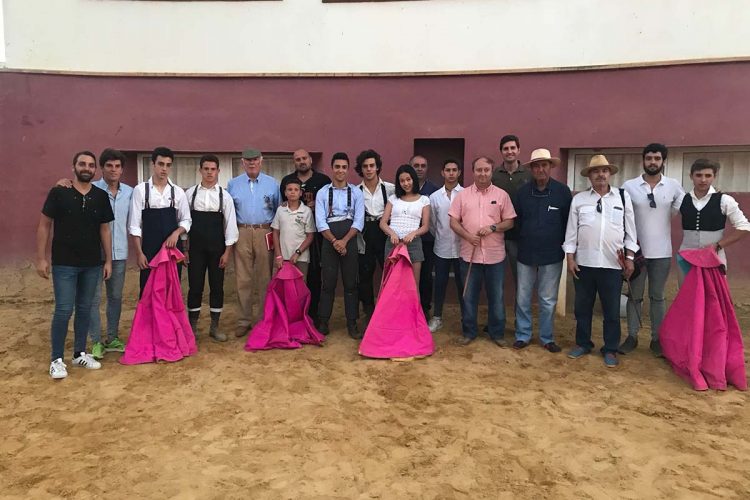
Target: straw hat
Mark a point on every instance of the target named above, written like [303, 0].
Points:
[598, 161]
[543, 155]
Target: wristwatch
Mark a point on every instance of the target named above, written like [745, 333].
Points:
[298, 252]
[493, 228]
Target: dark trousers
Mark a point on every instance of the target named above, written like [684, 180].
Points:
[313, 275]
[374, 255]
[442, 270]
[608, 284]
[331, 261]
[425, 276]
[202, 260]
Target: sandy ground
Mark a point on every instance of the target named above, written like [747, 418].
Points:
[473, 422]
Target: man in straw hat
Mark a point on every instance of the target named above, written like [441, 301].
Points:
[601, 229]
[542, 208]
[480, 214]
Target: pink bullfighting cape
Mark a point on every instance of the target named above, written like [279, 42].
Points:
[161, 331]
[285, 323]
[397, 328]
[700, 335]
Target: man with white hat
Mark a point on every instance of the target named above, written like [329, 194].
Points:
[600, 243]
[542, 208]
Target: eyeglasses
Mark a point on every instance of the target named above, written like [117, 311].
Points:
[651, 200]
[599, 206]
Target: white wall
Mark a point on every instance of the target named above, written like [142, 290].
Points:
[308, 36]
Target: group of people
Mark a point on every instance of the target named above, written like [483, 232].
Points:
[513, 213]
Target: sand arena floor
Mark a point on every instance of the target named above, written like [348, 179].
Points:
[474, 422]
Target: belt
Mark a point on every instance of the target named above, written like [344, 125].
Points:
[372, 218]
[255, 226]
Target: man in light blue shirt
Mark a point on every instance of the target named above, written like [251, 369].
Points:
[339, 216]
[256, 198]
[112, 161]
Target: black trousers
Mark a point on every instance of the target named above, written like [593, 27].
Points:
[425, 276]
[313, 275]
[204, 259]
[145, 273]
[331, 261]
[374, 255]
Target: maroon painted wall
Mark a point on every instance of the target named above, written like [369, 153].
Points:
[44, 119]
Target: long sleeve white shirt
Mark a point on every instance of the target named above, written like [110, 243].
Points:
[447, 242]
[207, 200]
[157, 200]
[596, 237]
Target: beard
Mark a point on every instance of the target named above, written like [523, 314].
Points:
[84, 176]
[651, 170]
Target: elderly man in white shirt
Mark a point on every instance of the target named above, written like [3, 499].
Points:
[656, 198]
[447, 242]
[705, 212]
[600, 245]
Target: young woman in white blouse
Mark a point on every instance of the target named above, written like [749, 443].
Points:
[407, 217]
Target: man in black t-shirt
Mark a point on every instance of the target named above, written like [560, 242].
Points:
[311, 182]
[81, 242]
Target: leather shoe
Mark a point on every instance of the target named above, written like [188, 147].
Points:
[322, 325]
[552, 347]
[462, 341]
[629, 345]
[520, 344]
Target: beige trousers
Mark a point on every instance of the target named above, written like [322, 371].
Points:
[252, 265]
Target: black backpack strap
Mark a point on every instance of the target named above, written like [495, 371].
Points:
[385, 195]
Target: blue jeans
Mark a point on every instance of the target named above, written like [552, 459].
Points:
[114, 286]
[73, 287]
[493, 276]
[608, 284]
[442, 269]
[547, 281]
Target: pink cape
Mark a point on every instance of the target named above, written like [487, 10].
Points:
[285, 323]
[397, 328]
[700, 335]
[161, 331]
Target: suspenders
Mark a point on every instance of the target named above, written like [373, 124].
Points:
[330, 199]
[148, 190]
[221, 199]
[382, 191]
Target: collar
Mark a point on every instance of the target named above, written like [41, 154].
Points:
[341, 188]
[482, 191]
[594, 193]
[455, 189]
[215, 187]
[519, 169]
[643, 181]
[298, 209]
[711, 191]
[150, 182]
[547, 188]
[377, 186]
[257, 179]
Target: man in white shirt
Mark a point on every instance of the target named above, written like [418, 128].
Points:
[447, 242]
[705, 212]
[159, 213]
[371, 241]
[212, 236]
[655, 199]
[601, 230]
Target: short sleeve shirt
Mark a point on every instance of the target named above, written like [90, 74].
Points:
[293, 226]
[406, 216]
[76, 222]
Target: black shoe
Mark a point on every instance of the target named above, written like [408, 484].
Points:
[463, 341]
[655, 347]
[520, 344]
[629, 345]
[322, 326]
[351, 327]
[552, 347]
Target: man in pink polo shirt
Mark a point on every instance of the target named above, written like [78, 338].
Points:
[480, 214]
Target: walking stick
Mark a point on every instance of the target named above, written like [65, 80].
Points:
[468, 271]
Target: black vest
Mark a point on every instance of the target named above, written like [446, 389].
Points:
[709, 218]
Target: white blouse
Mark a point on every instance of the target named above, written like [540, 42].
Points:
[406, 216]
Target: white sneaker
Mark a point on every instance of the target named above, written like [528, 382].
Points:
[57, 369]
[86, 361]
[436, 323]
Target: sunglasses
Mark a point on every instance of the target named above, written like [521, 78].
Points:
[651, 200]
[599, 206]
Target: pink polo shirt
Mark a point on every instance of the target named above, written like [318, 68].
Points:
[474, 209]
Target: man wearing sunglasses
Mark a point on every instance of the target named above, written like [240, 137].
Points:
[656, 198]
[601, 227]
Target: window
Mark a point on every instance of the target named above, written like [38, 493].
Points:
[184, 170]
[734, 175]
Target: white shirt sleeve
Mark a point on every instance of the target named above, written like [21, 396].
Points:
[136, 205]
[310, 222]
[731, 209]
[631, 236]
[231, 233]
[183, 209]
[571, 231]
